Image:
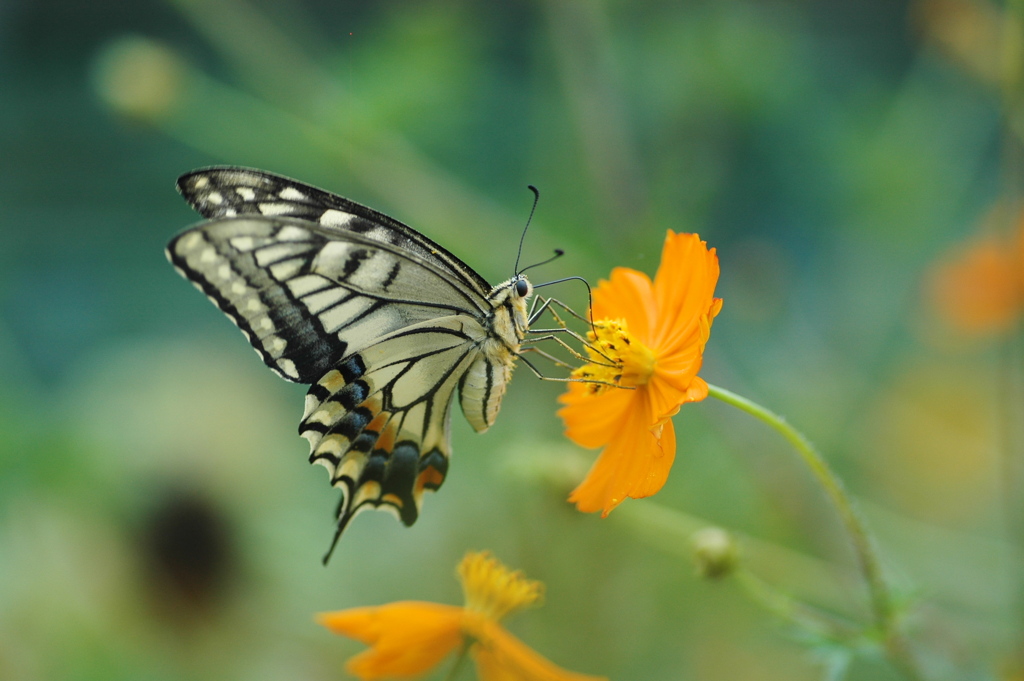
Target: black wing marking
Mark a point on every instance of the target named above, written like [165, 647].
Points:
[379, 421]
[306, 297]
[230, 191]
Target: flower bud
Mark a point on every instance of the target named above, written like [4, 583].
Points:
[715, 554]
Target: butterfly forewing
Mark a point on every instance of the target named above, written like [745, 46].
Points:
[382, 322]
[230, 191]
[305, 299]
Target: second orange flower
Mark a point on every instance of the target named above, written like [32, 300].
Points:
[407, 639]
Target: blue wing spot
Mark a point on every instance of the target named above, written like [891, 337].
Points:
[400, 477]
[352, 368]
[376, 466]
[365, 442]
[352, 394]
[353, 423]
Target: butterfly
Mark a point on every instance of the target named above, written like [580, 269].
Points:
[382, 323]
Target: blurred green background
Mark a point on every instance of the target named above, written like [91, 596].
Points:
[158, 519]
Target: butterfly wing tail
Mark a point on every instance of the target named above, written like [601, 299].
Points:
[378, 421]
[352, 435]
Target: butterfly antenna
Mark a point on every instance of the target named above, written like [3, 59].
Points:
[536, 198]
[558, 254]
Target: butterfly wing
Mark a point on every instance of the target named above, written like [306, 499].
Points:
[379, 421]
[226, 191]
[383, 335]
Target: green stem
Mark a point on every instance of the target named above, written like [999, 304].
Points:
[459, 663]
[863, 544]
[788, 608]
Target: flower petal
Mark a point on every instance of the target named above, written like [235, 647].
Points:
[500, 656]
[665, 399]
[407, 638]
[684, 289]
[634, 464]
[627, 294]
[673, 376]
[592, 420]
[697, 391]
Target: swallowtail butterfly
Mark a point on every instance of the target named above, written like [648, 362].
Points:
[383, 323]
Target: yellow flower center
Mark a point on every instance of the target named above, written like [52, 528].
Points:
[492, 589]
[617, 358]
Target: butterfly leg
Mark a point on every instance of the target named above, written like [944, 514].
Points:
[537, 310]
[541, 376]
[548, 306]
[532, 314]
[537, 371]
[551, 334]
[548, 356]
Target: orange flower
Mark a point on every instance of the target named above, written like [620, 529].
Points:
[409, 638]
[979, 287]
[648, 337]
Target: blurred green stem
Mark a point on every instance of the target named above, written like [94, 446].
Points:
[459, 663]
[863, 543]
[790, 609]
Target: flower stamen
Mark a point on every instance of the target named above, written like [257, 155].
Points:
[492, 589]
[631, 362]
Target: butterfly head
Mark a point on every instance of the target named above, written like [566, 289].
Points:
[509, 301]
[517, 289]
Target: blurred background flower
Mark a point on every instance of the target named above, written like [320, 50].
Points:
[158, 518]
[978, 287]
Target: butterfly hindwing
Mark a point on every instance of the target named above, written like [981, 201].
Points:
[379, 421]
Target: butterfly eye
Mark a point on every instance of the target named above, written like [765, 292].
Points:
[522, 288]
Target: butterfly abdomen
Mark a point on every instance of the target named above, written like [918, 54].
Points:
[483, 386]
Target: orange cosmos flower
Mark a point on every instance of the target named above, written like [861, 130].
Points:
[409, 638]
[978, 288]
[653, 333]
